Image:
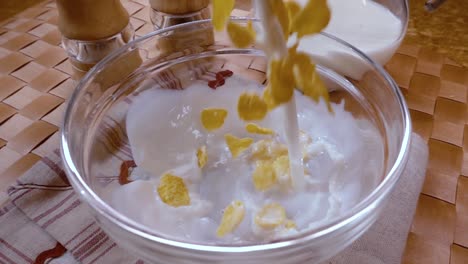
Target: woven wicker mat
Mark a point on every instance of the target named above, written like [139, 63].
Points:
[35, 82]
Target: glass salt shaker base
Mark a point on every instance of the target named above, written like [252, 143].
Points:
[162, 20]
[84, 54]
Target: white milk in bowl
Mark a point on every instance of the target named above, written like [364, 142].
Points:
[343, 159]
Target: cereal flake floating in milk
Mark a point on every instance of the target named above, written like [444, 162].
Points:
[251, 107]
[282, 172]
[232, 217]
[256, 129]
[271, 216]
[264, 176]
[237, 145]
[173, 191]
[213, 118]
[268, 149]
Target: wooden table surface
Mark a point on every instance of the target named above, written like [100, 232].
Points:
[9, 8]
[35, 84]
[445, 30]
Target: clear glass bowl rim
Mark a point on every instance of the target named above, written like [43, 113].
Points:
[93, 200]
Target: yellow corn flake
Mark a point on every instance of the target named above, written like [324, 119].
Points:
[261, 150]
[293, 8]
[264, 176]
[250, 26]
[173, 191]
[313, 18]
[307, 79]
[242, 37]
[221, 11]
[281, 168]
[268, 99]
[270, 216]
[280, 88]
[290, 224]
[279, 9]
[202, 157]
[267, 149]
[213, 118]
[237, 145]
[256, 129]
[251, 107]
[304, 72]
[281, 80]
[292, 52]
[232, 217]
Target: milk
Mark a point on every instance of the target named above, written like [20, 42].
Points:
[365, 24]
[270, 37]
[343, 164]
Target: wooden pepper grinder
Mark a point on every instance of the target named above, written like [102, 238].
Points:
[92, 29]
[167, 13]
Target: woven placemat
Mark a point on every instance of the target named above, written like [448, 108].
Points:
[35, 83]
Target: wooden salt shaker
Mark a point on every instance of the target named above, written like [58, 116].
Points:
[92, 29]
[167, 13]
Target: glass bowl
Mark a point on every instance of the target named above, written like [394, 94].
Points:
[95, 150]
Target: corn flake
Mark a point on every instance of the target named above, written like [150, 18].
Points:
[264, 176]
[281, 168]
[237, 145]
[213, 118]
[221, 11]
[267, 97]
[251, 107]
[271, 216]
[304, 73]
[202, 157]
[232, 217]
[242, 37]
[256, 129]
[280, 88]
[173, 191]
[313, 18]
[268, 149]
[293, 8]
[290, 224]
[306, 77]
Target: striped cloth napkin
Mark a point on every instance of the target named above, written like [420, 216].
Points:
[45, 222]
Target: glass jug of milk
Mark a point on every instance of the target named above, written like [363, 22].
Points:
[375, 27]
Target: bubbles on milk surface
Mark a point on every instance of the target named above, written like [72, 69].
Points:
[165, 131]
